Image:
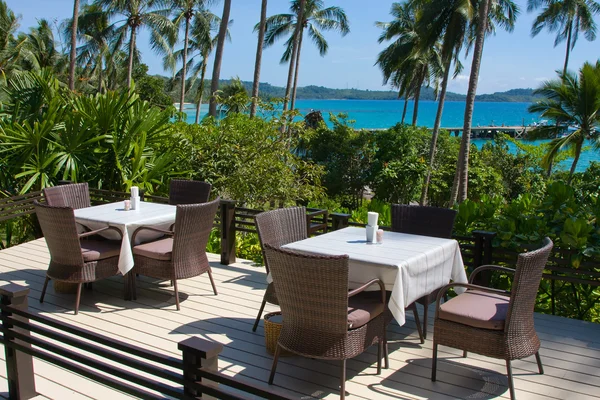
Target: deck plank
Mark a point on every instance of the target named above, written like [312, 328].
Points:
[570, 349]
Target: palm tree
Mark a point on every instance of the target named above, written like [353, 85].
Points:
[406, 62]
[567, 18]
[39, 49]
[73, 54]
[574, 100]
[184, 12]
[489, 12]
[315, 19]
[9, 46]
[259, 47]
[137, 14]
[214, 84]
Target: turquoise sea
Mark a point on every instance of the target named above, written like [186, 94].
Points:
[381, 114]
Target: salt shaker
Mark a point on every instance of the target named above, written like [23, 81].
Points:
[127, 205]
[380, 236]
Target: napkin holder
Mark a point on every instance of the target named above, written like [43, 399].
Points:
[372, 233]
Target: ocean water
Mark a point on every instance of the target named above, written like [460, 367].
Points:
[381, 114]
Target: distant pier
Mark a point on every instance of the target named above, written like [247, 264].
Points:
[489, 132]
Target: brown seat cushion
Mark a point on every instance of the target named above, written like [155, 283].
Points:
[362, 308]
[94, 250]
[158, 250]
[476, 309]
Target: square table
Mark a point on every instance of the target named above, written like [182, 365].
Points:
[113, 214]
[411, 266]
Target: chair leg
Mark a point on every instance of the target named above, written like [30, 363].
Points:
[379, 351]
[464, 354]
[511, 386]
[44, 289]
[386, 360]
[274, 366]
[343, 381]
[78, 298]
[212, 282]
[539, 362]
[418, 322]
[176, 294]
[260, 311]
[434, 361]
[425, 313]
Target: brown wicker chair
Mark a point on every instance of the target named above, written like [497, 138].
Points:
[425, 221]
[277, 228]
[182, 191]
[488, 322]
[72, 259]
[321, 318]
[74, 195]
[183, 253]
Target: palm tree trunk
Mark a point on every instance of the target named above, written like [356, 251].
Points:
[288, 88]
[184, 68]
[201, 87]
[568, 52]
[73, 45]
[436, 130]
[100, 77]
[296, 71]
[462, 167]
[131, 53]
[214, 84]
[575, 160]
[417, 95]
[404, 109]
[259, 48]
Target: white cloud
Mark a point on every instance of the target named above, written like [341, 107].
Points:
[462, 78]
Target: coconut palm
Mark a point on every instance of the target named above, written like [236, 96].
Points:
[572, 99]
[214, 84]
[40, 50]
[259, 47]
[567, 18]
[316, 19]
[184, 11]
[73, 54]
[489, 14]
[9, 46]
[137, 14]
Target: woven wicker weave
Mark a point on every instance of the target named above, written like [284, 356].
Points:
[518, 339]
[193, 224]
[182, 191]
[425, 221]
[66, 260]
[277, 228]
[313, 296]
[75, 195]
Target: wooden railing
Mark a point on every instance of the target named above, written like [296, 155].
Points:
[122, 366]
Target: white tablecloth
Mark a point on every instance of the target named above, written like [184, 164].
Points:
[113, 214]
[411, 266]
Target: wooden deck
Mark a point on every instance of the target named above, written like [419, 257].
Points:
[571, 349]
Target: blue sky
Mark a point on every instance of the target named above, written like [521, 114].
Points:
[510, 60]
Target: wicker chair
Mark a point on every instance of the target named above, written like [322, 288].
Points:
[182, 254]
[74, 195]
[72, 259]
[277, 228]
[182, 191]
[425, 221]
[321, 318]
[488, 322]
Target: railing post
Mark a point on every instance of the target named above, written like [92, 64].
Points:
[198, 353]
[19, 365]
[339, 221]
[227, 232]
[64, 182]
[482, 255]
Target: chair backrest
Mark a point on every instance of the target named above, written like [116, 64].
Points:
[528, 274]
[182, 191]
[423, 220]
[280, 227]
[193, 224]
[60, 231]
[74, 195]
[312, 290]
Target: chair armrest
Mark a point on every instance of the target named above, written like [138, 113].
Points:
[489, 267]
[366, 285]
[149, 228]
[96, 231]
[445, 289]
[172, 227]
